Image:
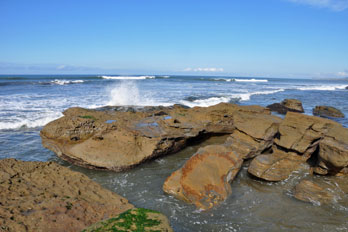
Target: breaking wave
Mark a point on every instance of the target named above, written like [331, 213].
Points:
[66, 82]
[127, 77]
[323, 87]
[233, 98]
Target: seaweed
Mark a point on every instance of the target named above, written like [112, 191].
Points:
[88, 117]
[131, 220]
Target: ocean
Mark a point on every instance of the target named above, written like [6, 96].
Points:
[28, 102]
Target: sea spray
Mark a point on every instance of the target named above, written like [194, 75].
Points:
[126, 92]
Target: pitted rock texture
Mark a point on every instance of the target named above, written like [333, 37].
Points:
[43, 196]
[205, 178]
[119, 140]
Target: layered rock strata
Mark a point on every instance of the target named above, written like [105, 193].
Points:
[117, 140]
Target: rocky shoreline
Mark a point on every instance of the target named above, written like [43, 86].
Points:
[121, 138]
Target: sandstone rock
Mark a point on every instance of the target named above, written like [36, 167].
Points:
[119, 140]
[327, 111]
[303, 134]
[309, 191]
[286, 105]
[43, 196]
[333, 152]
[299, 132]
[253, 135]
[205, 178]
[134, 220]
[276, 166]
[293, 105]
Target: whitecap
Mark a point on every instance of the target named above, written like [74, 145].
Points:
[127, 77]
[250, 80]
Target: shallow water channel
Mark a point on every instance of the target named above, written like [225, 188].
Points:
[253, 206]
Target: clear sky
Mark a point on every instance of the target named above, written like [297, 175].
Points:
[277, 38]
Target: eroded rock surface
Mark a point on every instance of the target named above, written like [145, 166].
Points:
[143, 220]
[276, 166]
[43, 196]
[303, 136]
[253, 134]
[119, 140]
[292, 105]
[327, 111]
[309, 191]
[205, 178]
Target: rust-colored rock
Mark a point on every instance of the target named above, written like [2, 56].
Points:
[309, 191]
[276, 166]
[43, 196]
[205, 178]
[327, 111]
[119, 140]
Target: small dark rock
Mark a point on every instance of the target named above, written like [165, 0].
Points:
[286, 105]
[327, 111]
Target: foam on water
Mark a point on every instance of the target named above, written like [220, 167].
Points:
[231, 98]
[128, 77]
[65, 82]
[250, 80]
[323, 87]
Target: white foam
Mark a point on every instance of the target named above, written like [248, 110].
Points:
[127, 77]
[127, 93]
[65, 82]
[21, 121]
[323, 87]
[250, 80]
[216, 100]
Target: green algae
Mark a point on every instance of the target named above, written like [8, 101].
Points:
[88, 117]
[136, 220]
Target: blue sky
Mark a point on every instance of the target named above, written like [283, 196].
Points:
[276, 38]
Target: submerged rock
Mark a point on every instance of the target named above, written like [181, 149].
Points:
[142, 220]
[292, 105]
[43, 196]
[309, 191]
[84, 137]
[327, 111]
[205, 178]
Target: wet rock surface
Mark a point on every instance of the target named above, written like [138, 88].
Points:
[43, 196]
[276, 166]
[118, 140]
[309, 191]
[205, 178]
[292, 105]
[327, 111]
[142, 220]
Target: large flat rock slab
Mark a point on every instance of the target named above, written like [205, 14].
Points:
[205, 178]
[119, 140]
[43, 196]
